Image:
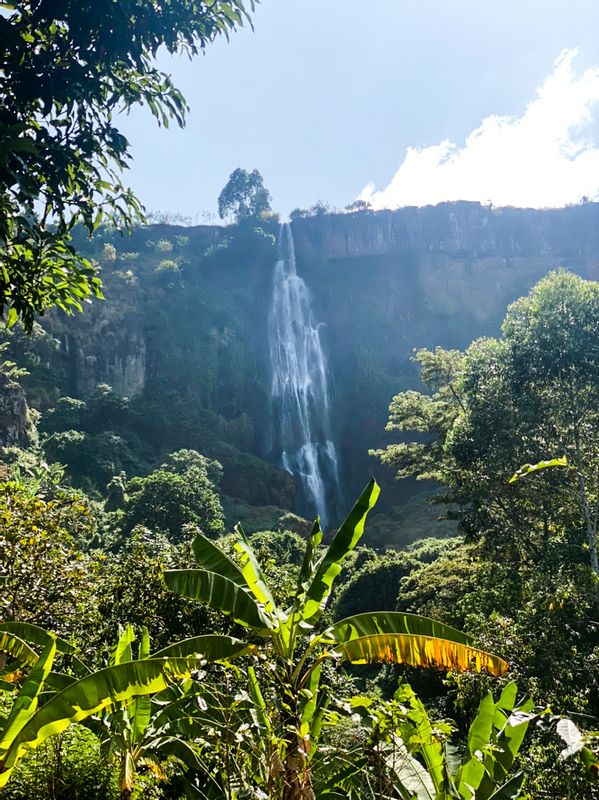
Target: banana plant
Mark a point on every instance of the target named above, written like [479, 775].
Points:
[146, 730]
[30, 722]
[18, 641]
[418, 762]
[296, 651]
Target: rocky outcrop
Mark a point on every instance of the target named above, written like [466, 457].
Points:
[14, 414]
[464, 229]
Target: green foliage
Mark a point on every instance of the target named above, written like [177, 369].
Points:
[65, 767]
[181, 493]
[243, 196]
[28, 726]
[44, 579]
[59, 149]
[519, 399]
[319, 209]
[293, 718]
[374, 587]
[130, 588]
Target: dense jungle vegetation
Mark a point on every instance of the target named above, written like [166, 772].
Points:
[149, 646]
[257, 702]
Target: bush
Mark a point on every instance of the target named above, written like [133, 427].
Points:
[66, 767]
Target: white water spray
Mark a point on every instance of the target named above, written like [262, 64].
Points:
[299, 392]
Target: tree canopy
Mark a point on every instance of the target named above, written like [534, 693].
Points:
[244, 195]
[528, 396]
[66, 70]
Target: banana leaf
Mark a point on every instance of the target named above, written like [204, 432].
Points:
[219, 592]
[375, 622]
[252, 572]
[100, 691]
[346, 538]
[419, 651]
[210, 647]
[34, 635]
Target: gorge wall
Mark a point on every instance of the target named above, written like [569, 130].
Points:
[184, 325]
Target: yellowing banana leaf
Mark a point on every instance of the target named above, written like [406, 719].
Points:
[526, 469]
[34, 635]
[99, 691]
[393, 622]
[219, 592]
[16, 647]
[252, 572]
[420, 651]
[346, 538]
[212, 559]
[24, 707]
[210, 647]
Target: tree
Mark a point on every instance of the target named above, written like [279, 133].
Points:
[67, 69]
[418, 763]
[148, 730]
[45, 579]
[531, 395]
[180, 493]
[243, 196]
[297, 651]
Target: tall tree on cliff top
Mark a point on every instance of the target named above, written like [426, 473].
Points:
[244, 196]
[66, 69]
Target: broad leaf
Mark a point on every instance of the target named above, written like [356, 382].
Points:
[35, 635]
[17, 648]
[144, 645]
[122, 651]
[308, 564]
[346, 538]
[510, 790]
[24, 707]
[410, 773]
[218, 592]
[526, 469]
[573, 738]
[211, 558]
[210, 647]
[375, 622]
[258, 708]
[417, 732]
[419, 651]
[481, 729]
[101, 691]
[252, 572]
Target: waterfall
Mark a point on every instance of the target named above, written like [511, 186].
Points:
[299, 391]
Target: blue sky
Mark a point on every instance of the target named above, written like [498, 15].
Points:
[325, 97]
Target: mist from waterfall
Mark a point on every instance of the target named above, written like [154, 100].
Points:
[299, 390]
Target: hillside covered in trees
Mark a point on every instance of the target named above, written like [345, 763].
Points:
[289, 510]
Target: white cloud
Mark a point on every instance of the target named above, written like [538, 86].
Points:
[542, 159]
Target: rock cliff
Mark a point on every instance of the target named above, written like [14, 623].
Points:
[184, 327]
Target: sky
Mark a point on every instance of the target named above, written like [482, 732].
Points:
[399, 102]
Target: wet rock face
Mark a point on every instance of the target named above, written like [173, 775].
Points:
[117, 357]
[14, 414]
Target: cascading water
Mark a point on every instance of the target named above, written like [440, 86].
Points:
[299, 392]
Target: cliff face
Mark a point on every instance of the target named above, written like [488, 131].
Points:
[14, 417]
[469, 230]
[185, 322]
[387, 283]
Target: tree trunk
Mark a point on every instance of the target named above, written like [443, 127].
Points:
[589, 519]
[298, 775]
